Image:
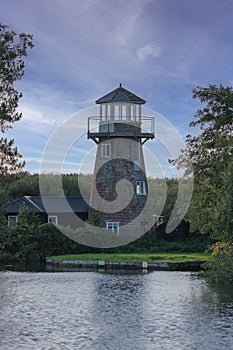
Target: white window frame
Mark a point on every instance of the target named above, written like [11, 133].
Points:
[114, 226]
[51, 217]
[9, 224]
[105, 150]
[123, 112]
[141, 188]
[117, 111]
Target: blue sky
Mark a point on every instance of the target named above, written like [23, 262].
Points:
[158, 49]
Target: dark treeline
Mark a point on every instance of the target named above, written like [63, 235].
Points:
[31, 240]
[13, 186]
[163, 191]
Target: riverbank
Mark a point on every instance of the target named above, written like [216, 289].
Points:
[149, 261]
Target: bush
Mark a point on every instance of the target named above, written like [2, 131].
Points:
[220, 267]
[29, 242]
[7, 242]
[51, 241]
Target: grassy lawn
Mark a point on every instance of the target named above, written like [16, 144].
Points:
[149, 257]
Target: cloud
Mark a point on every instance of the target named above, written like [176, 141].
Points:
[34, 115]
[148, 50]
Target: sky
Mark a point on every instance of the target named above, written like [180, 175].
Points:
[158, 49]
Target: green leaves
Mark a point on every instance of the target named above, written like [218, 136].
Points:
[210, 154]
[220, 268]
[219, 107]
[13, 49]
[9, 161]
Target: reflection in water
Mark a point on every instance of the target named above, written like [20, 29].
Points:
[98, 311]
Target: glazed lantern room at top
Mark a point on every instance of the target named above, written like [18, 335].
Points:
[120, 105]
[120, 115]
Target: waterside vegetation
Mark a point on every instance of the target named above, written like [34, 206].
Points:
[135, 257]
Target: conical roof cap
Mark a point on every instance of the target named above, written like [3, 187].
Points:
[120, 95]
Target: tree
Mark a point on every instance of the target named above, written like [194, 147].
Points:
[210, 154]
[12, 50]
[227, 202]
[10, 156]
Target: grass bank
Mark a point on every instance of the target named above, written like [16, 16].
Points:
[137, 257]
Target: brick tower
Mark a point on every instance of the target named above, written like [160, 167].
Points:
[119, 131]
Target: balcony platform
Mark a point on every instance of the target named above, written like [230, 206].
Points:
[138, 128]
[96, 136]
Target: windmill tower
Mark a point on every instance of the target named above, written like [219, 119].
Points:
[119, 131]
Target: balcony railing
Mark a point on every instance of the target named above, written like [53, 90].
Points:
[140, 127]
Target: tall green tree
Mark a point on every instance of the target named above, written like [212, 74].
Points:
[13, 49]
[210, 155]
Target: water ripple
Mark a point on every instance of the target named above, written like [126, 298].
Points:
[93, 311]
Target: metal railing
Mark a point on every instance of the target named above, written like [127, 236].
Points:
[97, 124]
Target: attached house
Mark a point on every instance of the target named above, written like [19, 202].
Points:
[59, 210]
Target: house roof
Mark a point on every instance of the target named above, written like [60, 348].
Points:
[53, 204]
[120, 95]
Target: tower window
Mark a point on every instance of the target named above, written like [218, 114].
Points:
[105, 150]
[113, 225]
[140, 188]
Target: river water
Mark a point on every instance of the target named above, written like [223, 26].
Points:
[116, 311]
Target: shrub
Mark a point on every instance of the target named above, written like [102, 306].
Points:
[220, 267]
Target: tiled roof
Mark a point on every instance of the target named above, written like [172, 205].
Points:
[120, 95]
[53, 204]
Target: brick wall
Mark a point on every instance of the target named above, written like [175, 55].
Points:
[108, 171]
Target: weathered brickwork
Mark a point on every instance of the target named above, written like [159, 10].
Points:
[127, 127]
[126, 162]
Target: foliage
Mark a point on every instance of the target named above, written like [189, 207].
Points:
[210, 150]
[164, 194]
[210, 154]
[159, 241]
[24, 231]
[50, 240]
[9, 157]
[12, 50]
[226, 201]
[47, 239]
[220, 268]
[16, 242]
[29, 241]
[164, 191]
[75, 184]
[7, 243]
[6, 183]
[24, 184]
